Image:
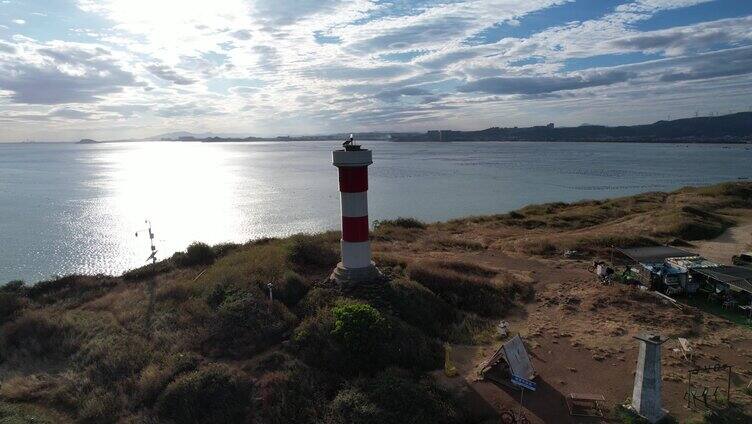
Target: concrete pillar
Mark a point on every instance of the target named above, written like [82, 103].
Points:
[356, 265]
[646, 395]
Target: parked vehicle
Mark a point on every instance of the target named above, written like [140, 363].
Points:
[743, 259]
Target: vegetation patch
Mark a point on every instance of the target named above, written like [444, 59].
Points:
[468, 290]
[212, 395]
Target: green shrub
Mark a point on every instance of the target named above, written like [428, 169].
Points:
[248, 267]
[298, 395]
[71, 290]
[407, 347]
[197, 253]
[291, 289]
[314, 343]
[311, 251]
[155, 377]
[212, 395]
[419, 307]
[113, 356]
[15, 286]
[10, 305]
[354, 338]
[360, 330]
[393, 397]
[399, 222]
[100, 406]
[245, 322]
[23, 414]
[39, 335]
[150, 270]
[223, 249]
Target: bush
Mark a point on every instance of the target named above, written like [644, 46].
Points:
[71, 290]
[23, 414]
[249, 266]
[212, 395]
[245, 322]
[197, 253]
[112, 356]
[419, 307]
[298, 395]
[360, 329]
[10, 305]
[154, 378]
[306, 251]
[100, 406]
[15, 286]
[223, 249]
[39, 335]
[399, 222]
[150, 270]
[469, 292]
[393, 397]
[354, 338]
[291, 289]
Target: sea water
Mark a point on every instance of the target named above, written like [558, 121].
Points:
[74, 208]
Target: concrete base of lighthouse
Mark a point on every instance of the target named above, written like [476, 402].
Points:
[348, 276]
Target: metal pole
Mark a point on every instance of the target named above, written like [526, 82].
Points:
[271, 296]
[689, 390]
[728, 387]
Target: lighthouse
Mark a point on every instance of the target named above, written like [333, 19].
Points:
[356, 265]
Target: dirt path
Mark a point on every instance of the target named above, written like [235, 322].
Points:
[732, 242]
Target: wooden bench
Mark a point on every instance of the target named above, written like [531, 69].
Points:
[585, 404]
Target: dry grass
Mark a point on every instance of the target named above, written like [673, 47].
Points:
[134, 348]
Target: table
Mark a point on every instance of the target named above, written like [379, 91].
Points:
[585, 402]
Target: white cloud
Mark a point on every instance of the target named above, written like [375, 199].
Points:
[18, 21]
[313, 65]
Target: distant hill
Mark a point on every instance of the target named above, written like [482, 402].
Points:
[177, 135]
[736, 127]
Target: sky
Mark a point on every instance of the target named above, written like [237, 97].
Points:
[120, 69]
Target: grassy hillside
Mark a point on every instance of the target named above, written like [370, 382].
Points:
[195, 339]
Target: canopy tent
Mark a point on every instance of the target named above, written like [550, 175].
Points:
[654, 254]
[737, 277]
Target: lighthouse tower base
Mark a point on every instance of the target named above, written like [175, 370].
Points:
[348, 276]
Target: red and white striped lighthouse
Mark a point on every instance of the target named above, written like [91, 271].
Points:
[356, 266]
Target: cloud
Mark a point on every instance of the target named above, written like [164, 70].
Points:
[168, 74]
[395, 95]
[544, 84]
[19, 21]
[725, 63]
[70, 114]
[349, 73]
[287, 12]
[241, 34]
[7, 48]
[682, 39]
[63, 73]
[187, 109]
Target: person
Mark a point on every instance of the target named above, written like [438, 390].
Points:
[348, 142]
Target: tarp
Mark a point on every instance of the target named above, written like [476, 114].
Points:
[518, 359]
[515, 357]
[737, 277]
[654, 254]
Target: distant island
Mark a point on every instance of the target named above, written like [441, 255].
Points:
[733, 128]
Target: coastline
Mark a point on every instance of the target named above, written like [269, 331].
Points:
[200, 326]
